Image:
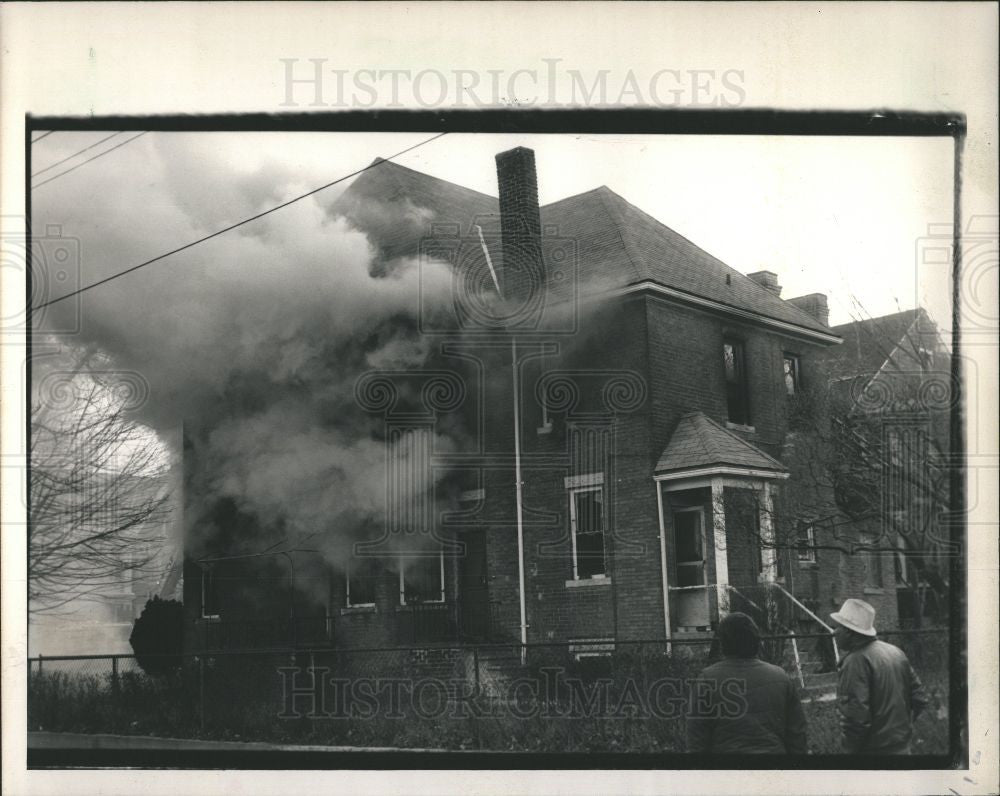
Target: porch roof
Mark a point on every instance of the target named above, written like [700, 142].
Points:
[699, 442]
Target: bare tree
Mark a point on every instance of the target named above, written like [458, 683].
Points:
[870, 458]
[97, 488]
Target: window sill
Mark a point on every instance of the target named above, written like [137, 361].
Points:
[584, 582]
[873, 590]
[411, 606]
[741, 427]
[368, 608]
[808, 565]
[212, 618]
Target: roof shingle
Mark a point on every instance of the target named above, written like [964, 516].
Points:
[698, 442]
[616, 243]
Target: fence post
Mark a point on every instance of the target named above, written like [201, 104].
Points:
[201, 692]
[312, 678]
[114, 673]
[798, 662]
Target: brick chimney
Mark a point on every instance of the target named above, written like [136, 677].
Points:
[522, 275]
[767, 280]
[813, 304]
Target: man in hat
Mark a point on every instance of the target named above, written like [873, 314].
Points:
[742, 705]
[878, 693]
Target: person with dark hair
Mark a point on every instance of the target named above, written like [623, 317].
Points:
[878, 692]
[742, 705]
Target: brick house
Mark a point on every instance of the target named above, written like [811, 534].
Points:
[891, 388]
[661, 475]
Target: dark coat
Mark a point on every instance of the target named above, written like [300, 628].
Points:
[879, 696]
[745, 706]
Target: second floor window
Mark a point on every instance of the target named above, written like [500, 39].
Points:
[792, 377]
[737, 401]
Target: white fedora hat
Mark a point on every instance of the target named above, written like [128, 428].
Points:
[856, 615]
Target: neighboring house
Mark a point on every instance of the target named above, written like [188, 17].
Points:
[891, 395]
[663, 477]
[101, 622]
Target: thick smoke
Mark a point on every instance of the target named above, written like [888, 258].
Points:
[252, 340]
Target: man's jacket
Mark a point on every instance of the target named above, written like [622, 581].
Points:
[879, 696]
[745, 706]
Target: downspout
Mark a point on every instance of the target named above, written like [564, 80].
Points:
[515, 387]
[663, 563]
[519, 496]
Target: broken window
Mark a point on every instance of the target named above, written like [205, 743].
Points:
[792, 377]
[586, 510]
[362, 578]
[421, 578]
[737, 401]
[209, 593]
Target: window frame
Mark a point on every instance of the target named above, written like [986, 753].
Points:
[809, 548]
[573, 492]
[699, 512]
[874, 557]
[796, 373]
[347, 586]
[741, 382]
[441, 575]
[208, 574]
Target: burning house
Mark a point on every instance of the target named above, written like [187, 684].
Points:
[566, 424]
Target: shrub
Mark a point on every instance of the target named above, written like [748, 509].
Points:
[158, 636]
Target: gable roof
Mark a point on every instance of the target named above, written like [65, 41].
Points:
[617, 245]
[869, 343]
[620, 245]
[699, 442]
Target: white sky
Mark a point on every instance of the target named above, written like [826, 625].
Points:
[842, 216]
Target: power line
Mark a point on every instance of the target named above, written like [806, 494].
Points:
[36, 140]
[234, 226]
[94, 157]
[60, 162]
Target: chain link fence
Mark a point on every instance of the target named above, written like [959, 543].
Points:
[587, 695]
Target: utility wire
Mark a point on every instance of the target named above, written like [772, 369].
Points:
[93, 157]
[60, 162]
[237, 224]
[36, 140]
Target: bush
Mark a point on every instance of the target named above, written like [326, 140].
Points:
[158, 636]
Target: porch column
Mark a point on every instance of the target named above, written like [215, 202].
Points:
[720, 545]
[767, 552]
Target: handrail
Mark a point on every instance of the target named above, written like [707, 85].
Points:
[734, 590]
[790, 596]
